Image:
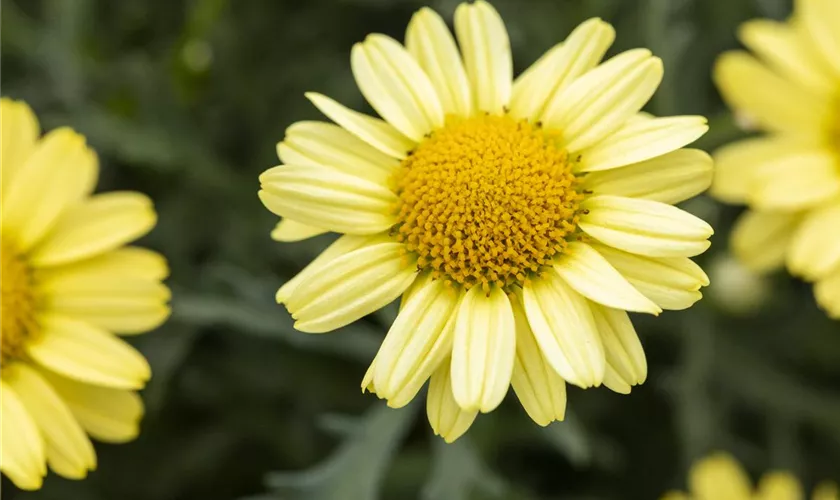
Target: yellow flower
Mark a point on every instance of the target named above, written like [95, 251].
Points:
[68, 282]
[720, 477]
[518, 220]
[789, 178]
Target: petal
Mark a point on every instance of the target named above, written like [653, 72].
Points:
[591, 275]
[779, 486]
[749, 86]
[326, 144]
[448, 420]
[822, 24]
[826, 490]
[565, 330]
[339, 247]
[623, 350]
[289, 230]
[599, 102]
[102, 223]
[539, 388]
[327, 198]
[109, 415]
[377, 133]
[483, 349]
[760, 240]
[719, 477]
[395, 85]
[487, 57]
[827, 292]
[69, 451]
[22, 456]
[417, 342]
[18, 135]
[89, 354]
[815, 248]
[796, 181]
[430, 42]
[644, 227]
[107, 292]
[641, 140]
[44, 186]
[671, 282]
[670, 178]
[580, 52]
[352, 286]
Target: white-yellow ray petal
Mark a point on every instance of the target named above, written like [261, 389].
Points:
[22, 456]
[796, 181]
[815, 248]
[395, 85]
[827, 293]
[591, 275]
[822, 24]
[351, 286]
[429, 40]
[327, 198]
[289, 230]
[447, 419]
[719, 477]
[761, 240]
[377, 133]
[19, 131]
[483, 350]
[640, 140]
[622, 347]
[102, 223]
[670, 178]
[565, 330]
[83, 352]
[644, 227]
[557, 68]
[487, 57]
[779, 486]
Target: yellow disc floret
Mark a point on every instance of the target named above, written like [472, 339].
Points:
[486, 201]
[18, 304]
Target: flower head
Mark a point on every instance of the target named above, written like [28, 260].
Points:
[518, 219]
[720, 477]
[789, 177]
[68, 283]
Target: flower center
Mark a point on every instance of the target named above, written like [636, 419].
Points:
[18, 304]
[486, 201]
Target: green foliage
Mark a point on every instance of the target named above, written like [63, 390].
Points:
[185, 100]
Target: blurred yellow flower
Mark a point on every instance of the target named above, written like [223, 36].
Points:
[68, 282]
[518, 219]
[789, 178]
[720, 477]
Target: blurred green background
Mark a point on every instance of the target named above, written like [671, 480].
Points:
[186, 99]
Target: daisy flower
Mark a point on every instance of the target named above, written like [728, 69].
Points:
[720, 477]
[518, 220]
[68, 284]
[790, 176]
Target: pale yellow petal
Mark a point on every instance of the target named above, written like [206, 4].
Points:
[487, 57]
[396, 86]
[826, 490]
[83, 352]
[565, 330]
[377, 133]
[109, 415]
[483, 350]
[644, 227]
[447, 419]
[540, 389]
[100, 224]
[592, 276]
[622, 347]
[827, 292]
[822, 24]
[748, 86]
[560, 66]
[815, 248]
[761, 240]
[288, 230]
[599, 102]
[327, 198]
[719, 477]
[351, 286]
[69, 451]
[670, 178]
[22, 457]
[641, 140]
[779, 486]
[19, 131]
[796, 181]
[327, 144]
[429, 40]
[417, 342]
